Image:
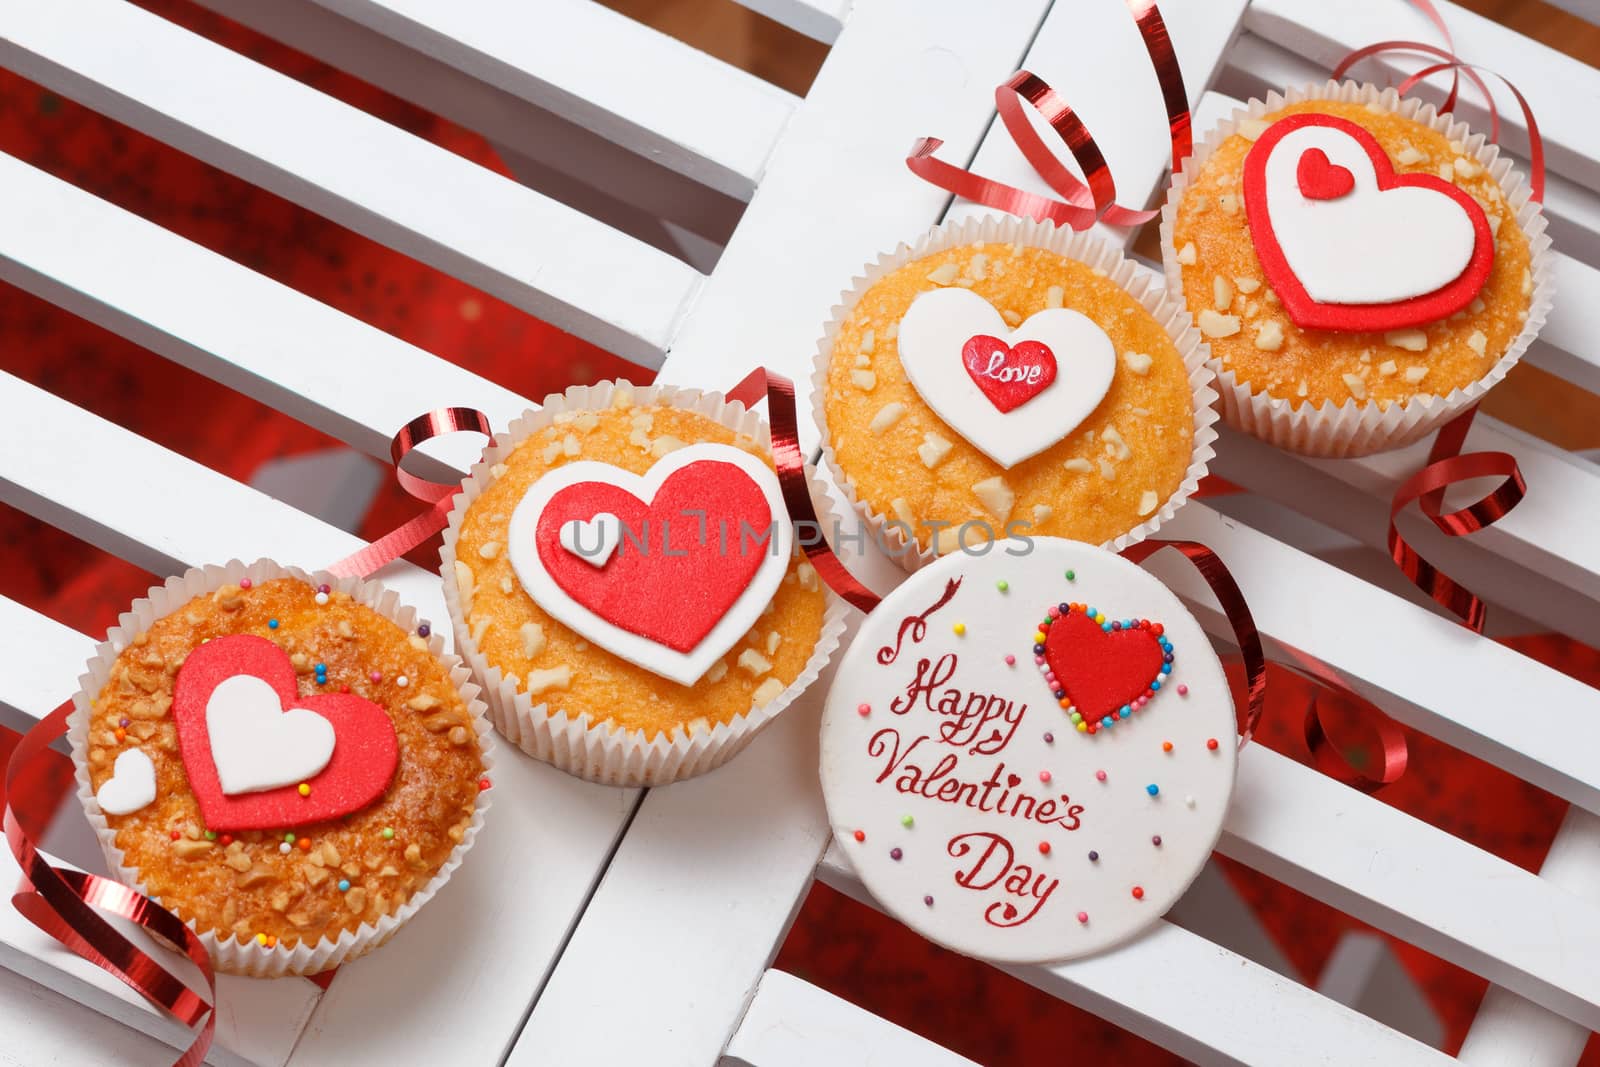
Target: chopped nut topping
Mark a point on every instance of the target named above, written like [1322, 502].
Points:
[538, 681]
[1477, 305]
[1200, 202]
[1078, 465]
[1107, 470]
[1388, 368]
[1186, 254]
[868, 343]
[1041, 512]
[533, 640]
[886, 417]
[864, 361]
[1012, 318]
[717, 672]
[1222, 293]
[754, 663]
[864, 379]
[1304, 389]
[1478, 342]
[1229, 203]
[1055, 296]
[1447, 172]
[933, 450]
[1116, 447]
[1357, 386]
[1251, 128]
[664, 444]
[1410, 340]
[996, 496]
[946, 540]
[506, 585]
[1527, 282]
[1416, 374]
[489, 549]
[1468, 168]
[944, 274]
[774, 639]
[1137, 362]
[978, 269]
[1215, 324]
[1410, 157]
[767, 692]
[423, 702]
[1246, 284]
[1269, 336]
[902, 511]
[586, 421]
[807, 575]
[1148, 501]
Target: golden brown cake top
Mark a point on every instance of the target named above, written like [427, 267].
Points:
[297, 883]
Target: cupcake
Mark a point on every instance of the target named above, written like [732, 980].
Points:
[621, 573]
[1007, 379]
[282, 761]
[1362, 268]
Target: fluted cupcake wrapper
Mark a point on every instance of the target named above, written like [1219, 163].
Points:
[231, 953]
[1360, 428]
[1083, 247]
[601, 751]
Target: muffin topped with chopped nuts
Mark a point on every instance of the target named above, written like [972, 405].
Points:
[1015, 384]
[282, 765]
[622, 577]
[1344, 246]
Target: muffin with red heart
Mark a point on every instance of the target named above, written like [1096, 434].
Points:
[1006, 379]
[286, 762]
[1362, 267]
[622, 576]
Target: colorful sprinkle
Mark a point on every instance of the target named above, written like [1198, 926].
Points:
[928, 901]
[1099, 776]
[324, 588]
[1152, 789]
[1166, 746]
[321, 599]
[895, 853]
[1138, 892]
[176, 834]
[1211, 743]
[1183, 690]
[272, 624]
[225, 840]
[121, 734]
[907, 821]
[1094, 857]
[1049, 738]
[959, 628]
[124, 722]
[244, 583]
[285, 848]
[376, 677]
[484, 784]
[1044, 776]
[860, 835]
[261, 939]
[1072, 576]
[211, 835]
[1156, 840]
[402, 681]
[1011, 661]
[1083, 918]
[1189, 800]
[1044, 848]
[1002, 585]
[863, 710]
[388, 833]
[344, 885]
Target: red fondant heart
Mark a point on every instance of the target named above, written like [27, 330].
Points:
[1009, 375]
[1100, 671]
[683, 560]
[1322, 179]
[1308, 313]
[365, 751]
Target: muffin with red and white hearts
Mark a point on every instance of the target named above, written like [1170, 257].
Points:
[1006, 379]
[1362, 267]
[286, 762]
[624, 583]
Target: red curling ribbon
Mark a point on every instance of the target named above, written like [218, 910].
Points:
[62, 903]
[1237, 612]
[1392, 752]
[783, 416]
[1446, 464]
[1083, 201]
[440, 495]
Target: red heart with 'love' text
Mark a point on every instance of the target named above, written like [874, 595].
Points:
[682, 559]
[365, 750]
[1009, 375]
[1101, 670]
[1322, 179]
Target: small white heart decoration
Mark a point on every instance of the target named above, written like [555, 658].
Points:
[132, 784]
[1372, 245]
[593, 540]
[256, 744]
[939, 323]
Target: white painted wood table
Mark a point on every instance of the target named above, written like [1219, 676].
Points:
[602, 926]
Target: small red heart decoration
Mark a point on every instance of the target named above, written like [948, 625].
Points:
[1101, 671]
[691, 580]
[1013, 780]
[1322, 179]
[1009, 375]
[365, 751]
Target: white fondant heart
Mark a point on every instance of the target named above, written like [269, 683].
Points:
[1371, 245]
[132, 784]
[684, 668]
[256, 744]
[937, 326]
[592, 540]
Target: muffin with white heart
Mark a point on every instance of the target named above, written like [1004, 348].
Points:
[1363, 268]
[1004, 378]
[286, 762]
[622, 576]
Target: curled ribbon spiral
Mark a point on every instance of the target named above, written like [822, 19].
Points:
[1083, 201]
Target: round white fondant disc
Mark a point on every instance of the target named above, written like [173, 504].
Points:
[968, 870]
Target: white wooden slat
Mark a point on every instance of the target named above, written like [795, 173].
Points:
[1115, 92]
[424, 201]
[819, 20]
[486, 950]
[56, 653]
[42, 1026]
[623, 80]
[792, 1023]
[1257, 66]
[1203, 1002]
[1563, 90]
[203, 310]
[693, 862]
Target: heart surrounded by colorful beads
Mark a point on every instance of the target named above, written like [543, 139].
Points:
[1100, 670]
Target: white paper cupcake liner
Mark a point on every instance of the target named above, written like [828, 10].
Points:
[231, 955]
[1356, 428]
[1083, 247]
[600, 751]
